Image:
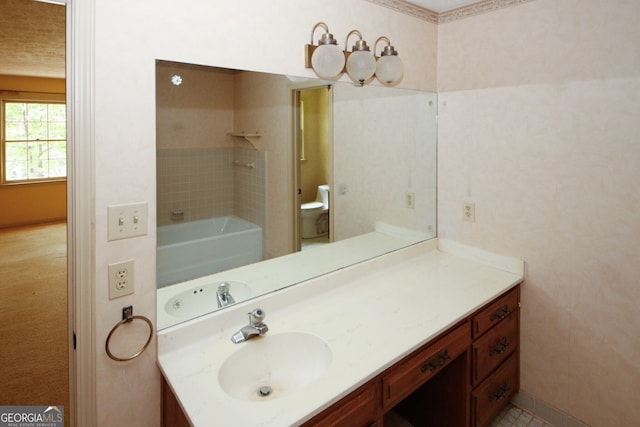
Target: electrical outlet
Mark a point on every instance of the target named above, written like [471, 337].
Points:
[469, 211]
[410, 200]
[121, 279]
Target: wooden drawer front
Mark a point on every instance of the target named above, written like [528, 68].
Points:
[495, 392]
[414, 371]
[495, 312]
[494, 347]
[359, 409]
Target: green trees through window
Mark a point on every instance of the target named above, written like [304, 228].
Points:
[35, 141]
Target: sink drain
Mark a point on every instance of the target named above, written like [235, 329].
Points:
[265, 391]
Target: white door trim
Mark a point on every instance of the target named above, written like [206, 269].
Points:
[81, 210]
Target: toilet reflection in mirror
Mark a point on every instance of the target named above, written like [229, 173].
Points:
[314, 147]
[315, 219]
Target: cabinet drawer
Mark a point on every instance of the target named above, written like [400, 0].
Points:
[495, 312]
[359, 409]
[414, 371]
[491, 396]
[494, 347]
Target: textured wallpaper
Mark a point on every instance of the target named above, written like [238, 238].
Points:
[538, 125]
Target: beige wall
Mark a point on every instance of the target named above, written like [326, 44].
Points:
[129, 38]
[263, 105]
[381, 159]
[538, 125]
[198, 112]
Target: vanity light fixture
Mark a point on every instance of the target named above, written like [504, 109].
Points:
[360, 62]
[328, 61]
[389, 68]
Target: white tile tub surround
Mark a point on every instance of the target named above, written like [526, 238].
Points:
[371, 315]
[196, 181]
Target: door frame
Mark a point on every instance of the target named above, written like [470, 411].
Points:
[296, 149]
[80, 65]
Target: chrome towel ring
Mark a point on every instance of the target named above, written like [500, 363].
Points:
[128, 317]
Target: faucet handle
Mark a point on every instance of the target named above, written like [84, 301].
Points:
[223, 288]
[257, 316]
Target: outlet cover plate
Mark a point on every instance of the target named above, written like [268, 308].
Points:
[410, 200]
[469, 211]
[121, 279]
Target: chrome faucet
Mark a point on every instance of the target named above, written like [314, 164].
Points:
[223, 295]
[255, 328]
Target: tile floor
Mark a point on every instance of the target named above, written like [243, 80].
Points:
[512, 416]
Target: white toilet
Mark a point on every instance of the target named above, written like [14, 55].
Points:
[315, 215]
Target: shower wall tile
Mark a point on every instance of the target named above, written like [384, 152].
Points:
[197, 181]
[250, 185]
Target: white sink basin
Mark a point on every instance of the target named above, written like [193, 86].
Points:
[201, 300]
[273, 366]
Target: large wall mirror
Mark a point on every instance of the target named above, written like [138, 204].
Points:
[264, 181]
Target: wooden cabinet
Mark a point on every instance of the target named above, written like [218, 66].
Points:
[494, 312]
[406, 376]
[172, 415]
[493, 348]
[359, 409]
[489, 398]
[463, 377]
[438, 363]
[495, 361]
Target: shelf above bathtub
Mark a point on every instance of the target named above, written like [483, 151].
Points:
[250, 137]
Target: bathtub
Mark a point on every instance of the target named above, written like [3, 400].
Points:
[198, 248]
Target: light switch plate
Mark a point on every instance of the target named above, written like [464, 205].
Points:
[128, 220]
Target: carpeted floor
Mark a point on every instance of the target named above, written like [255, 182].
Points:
[34, 362]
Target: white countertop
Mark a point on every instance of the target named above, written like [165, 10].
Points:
[371, 315]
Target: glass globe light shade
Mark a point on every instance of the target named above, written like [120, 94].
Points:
[389, 69]
[360, 66]
[327, 61]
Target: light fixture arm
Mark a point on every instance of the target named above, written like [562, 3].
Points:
[360, 45]
[388, 49]
[326, 38]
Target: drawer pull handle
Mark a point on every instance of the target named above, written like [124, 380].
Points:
[501, 313]
[500, 347]
[500, 392]
[436, 361]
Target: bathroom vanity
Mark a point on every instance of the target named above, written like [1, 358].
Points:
[429, 333]
[431, 387]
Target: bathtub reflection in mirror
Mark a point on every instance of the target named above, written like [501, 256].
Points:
[228, 202]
